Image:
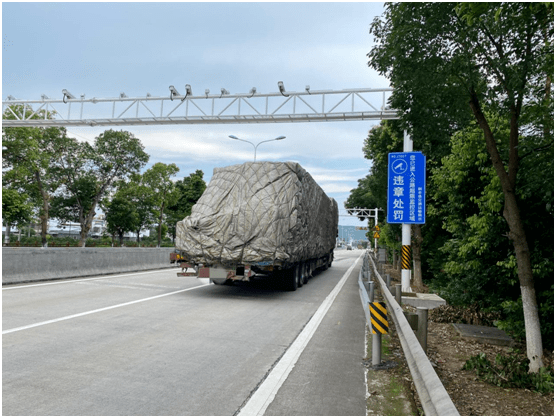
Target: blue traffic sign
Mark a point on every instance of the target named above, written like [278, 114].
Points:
[406, 188]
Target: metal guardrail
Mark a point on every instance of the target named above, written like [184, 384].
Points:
[432, 394]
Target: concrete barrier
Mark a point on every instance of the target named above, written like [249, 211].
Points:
[27, 264]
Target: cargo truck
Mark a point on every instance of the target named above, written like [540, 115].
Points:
[260, 218]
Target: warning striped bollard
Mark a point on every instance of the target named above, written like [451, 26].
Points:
[379, 317]
[406, 257]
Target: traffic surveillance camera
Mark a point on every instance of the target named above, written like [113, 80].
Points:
[253, 91]
[307, 88]
[224, 91]
[67, 95]
[187, 92]
[207, 91]
[173, 92]
[282, 88]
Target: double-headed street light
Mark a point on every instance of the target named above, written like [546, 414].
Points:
[255, 146]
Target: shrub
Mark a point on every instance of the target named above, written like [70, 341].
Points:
[511, 371]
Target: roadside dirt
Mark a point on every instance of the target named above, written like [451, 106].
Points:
[448, 352]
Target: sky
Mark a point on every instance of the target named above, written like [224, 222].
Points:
[102, 49]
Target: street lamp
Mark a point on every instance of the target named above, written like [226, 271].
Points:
[256, 146]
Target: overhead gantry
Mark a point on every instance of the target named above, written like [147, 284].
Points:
[220, 108]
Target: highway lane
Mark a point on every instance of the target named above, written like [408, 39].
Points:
[151, 343]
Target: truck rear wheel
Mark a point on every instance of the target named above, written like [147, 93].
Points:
[292, 279]
[227, 282]
[288, 279]
[328, 264]
[300, 274]
[305, 273]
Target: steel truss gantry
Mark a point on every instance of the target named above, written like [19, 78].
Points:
[362, 213]
[223, 108]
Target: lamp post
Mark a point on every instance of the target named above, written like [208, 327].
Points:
[256, 146]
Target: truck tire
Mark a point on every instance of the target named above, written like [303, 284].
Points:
[223, 282]
[305, 273]
[300, 274]
[288, 279]
[292, 281]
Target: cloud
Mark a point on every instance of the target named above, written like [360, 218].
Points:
[321, 174]
[306, 141]
[330, 66]
[330, 188]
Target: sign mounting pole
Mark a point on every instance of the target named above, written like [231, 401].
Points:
[406, 198]
[377, 230]
[406, 231]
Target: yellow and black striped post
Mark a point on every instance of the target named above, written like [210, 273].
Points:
[379, 317]
[379, 325]
[406, 257]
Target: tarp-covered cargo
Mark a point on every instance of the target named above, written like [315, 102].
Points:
[259, 213]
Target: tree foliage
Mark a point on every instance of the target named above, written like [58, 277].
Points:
[16, 208]
[121, 215]
[140, 196]
[158, 179]
[89, 171]
[371, 190]
[188, 191]
[28, 155]
[491, 63]
[60, 177]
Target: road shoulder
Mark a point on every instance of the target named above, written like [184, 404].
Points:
[329, 378]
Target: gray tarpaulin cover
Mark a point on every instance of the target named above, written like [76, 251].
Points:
[262, 212]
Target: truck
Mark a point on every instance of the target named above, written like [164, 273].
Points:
[259, 218]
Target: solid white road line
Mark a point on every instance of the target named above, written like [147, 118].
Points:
[15, 286]
[264, 395]
[64, 318]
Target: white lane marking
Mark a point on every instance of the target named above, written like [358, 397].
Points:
[15, 286]
[264, 395]
[64, 318]
[128, 285]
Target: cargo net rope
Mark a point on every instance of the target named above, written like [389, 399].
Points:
[259, 212]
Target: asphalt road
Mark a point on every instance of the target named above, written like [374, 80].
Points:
[152, 343]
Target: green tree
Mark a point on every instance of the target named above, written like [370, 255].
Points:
[28, 155]
[383, 139]
[494, 57]
[89, 171]
[479, 265]
[189, 190]
[158, 179]
[16, 208]
[121, 216]
[140, 195]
